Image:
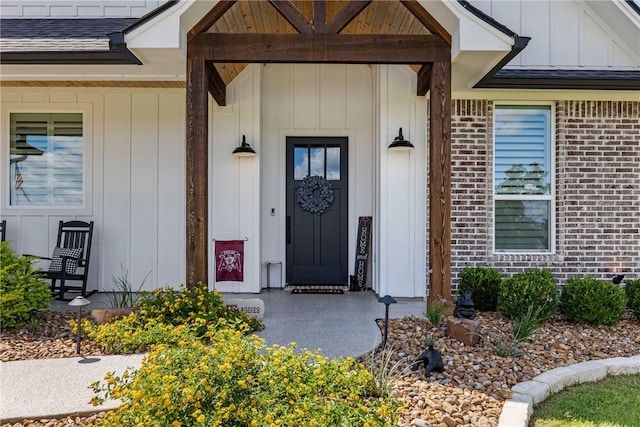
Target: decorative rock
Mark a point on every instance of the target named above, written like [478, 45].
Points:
[450, 422]
[419, 422]
[464, 330]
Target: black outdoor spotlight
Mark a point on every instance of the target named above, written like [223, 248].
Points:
[617, 279]
[79, 302]
[386, 300]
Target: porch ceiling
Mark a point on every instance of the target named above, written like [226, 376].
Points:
[234, 33]
[262, 17]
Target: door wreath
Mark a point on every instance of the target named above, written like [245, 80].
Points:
[315, 194]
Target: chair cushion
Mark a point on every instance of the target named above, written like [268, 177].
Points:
[72, 262]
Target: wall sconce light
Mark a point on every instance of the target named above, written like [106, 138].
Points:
[400, 144]
[244, 149]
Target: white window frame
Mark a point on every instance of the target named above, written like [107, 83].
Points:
[551, 198]
[87, 156]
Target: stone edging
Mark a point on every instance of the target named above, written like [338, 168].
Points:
[517, 410]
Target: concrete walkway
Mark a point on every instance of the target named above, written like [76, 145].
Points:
[339, 325]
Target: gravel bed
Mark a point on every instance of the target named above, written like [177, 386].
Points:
[470, 392]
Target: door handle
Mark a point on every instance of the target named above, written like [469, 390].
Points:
[288, 229]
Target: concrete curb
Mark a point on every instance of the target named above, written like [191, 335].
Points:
[517, 411]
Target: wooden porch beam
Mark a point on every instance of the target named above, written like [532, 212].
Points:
[345, 15]
[217, 86]
[319, 48]
[210, 18]
[426, 19]
[440, 181]
[319, 16]
[197, 242]
[424, 79]
[292, 14]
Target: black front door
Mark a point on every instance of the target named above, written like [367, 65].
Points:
[317, 210]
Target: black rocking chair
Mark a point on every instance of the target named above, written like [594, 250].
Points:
[3, 230]
[70, 259]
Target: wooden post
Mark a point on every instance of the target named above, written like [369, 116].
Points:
[196, 172]
[440, 181]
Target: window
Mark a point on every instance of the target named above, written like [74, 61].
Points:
[46, 160]
[322, 161]
[523, 179]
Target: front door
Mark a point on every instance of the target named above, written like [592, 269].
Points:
[317, 210]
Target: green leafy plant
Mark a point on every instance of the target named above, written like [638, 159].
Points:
[124, 294]
[524, 325]
[23, 293]
[234, 381]
[484, 285]
[503, 347]
[632, 289]
[436, 312]
[529, 288]
[196, 305]
[592, 302]
[163, 310]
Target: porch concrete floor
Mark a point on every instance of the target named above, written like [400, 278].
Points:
[337, 324]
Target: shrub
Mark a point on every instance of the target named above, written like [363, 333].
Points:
[593, 302]
[530, 288]
[191, 306]
[632, 289]
[484, 285]
[190, 311]
[234, 381]
[23, 293]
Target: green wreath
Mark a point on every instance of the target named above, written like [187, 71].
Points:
[315, 194]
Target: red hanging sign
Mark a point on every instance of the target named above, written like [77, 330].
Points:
[229, 260]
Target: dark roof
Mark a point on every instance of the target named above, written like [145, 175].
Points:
[565, 79]
[40, 35]
[70, 41]
[634, 6]
[65, 41]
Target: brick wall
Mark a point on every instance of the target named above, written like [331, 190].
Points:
[597, 191]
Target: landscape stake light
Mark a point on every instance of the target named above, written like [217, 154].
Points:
[80, 302]
[386, 300]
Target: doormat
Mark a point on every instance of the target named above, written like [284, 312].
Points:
[317, 289]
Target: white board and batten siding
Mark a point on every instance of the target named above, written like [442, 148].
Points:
[134, 182]
[569, 34]
[135, 172]
[341, 100]
[77, 8]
